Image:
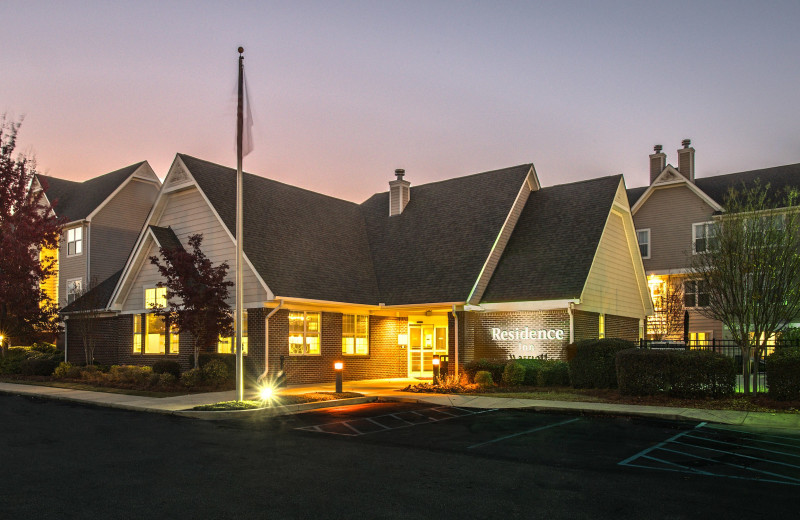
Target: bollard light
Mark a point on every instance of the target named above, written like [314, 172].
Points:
[338, 366]
[436, 367]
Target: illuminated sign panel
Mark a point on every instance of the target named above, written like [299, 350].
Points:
[527, 341]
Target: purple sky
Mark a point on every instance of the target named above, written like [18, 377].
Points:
[345, 92]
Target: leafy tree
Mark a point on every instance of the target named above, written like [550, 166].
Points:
[667, 322]
[196, 294]
[27, 226]
[750, 269]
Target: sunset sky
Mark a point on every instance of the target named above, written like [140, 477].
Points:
[345, 92]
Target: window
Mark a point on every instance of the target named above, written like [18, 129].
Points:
[703, 237]
[304, 333]
[355, 334]
[601, 326]
[75, 241]
[643, 237]
[225, 344]
[155, 297]
[150, 330]
[74, 288]
[695, 294]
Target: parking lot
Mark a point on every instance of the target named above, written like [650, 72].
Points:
[698, 449]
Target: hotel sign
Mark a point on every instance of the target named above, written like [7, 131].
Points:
[526, 340]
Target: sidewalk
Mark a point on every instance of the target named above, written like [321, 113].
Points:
[390, 390]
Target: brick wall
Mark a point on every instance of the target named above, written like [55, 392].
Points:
[587, 325]
[622, 327]
[481, 345]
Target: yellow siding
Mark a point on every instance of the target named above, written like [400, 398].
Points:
[50, 285]
[612, 286]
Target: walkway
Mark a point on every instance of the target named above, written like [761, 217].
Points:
[391, 389]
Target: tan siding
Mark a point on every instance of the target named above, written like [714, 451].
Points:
[611, 286]
[187, 213]
[115, 228]
[670, 213]
[69, 267]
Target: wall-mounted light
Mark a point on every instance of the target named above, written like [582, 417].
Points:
[402, 340]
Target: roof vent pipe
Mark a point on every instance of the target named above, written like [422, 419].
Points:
[399, 193]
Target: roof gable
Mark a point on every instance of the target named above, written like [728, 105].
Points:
[554, 243]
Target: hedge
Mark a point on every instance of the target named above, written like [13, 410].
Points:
[677, 373]
[229, 360]
[167, 366]
[594, 364]
[545, 372]
[783, 373]
[494, 367]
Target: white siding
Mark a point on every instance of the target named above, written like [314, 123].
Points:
[612, 286]
[188, 213]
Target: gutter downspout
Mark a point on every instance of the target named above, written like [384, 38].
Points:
[266, 339]
[455, 316]
[66, 322]
[570, 309]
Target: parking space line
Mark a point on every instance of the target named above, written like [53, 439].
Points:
[731, 464]
[717, 441]
[347, 423]
[401, 419]
[523, 433]
[373, 421]
[795, 439]
[726, 452]
[657, 446]
[668, 463]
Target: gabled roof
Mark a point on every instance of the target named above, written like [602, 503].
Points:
[77, 200]
[435, 249]
[554, 242]
[716, 187]
[166, 238]
[96, 298]
[304, 244]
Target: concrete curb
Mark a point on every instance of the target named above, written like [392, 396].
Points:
[271, 412]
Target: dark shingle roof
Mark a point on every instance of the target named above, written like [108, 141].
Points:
[76, 200]
[96, 298]
[554, 242]
[304, 244]
[166, 237]
[435, 249]
[716, 187]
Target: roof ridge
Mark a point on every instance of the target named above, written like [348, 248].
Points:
[748, 171]
[595, 179]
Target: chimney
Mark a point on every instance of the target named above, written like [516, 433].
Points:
[686, 160]
[658, 161]
[399, 193]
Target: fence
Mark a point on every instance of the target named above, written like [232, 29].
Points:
[728, 348]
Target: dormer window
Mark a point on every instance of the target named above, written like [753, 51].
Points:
[75, 241]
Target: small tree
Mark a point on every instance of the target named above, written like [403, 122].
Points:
[750, 268]
[196, 294]
[85, 311]
[27, 226]
[667, 322]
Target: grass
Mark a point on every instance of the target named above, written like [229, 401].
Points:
[280, 400]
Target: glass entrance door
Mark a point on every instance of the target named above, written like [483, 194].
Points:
[425, 341]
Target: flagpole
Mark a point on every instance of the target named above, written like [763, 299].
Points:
[239, 325]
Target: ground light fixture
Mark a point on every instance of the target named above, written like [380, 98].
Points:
[339, 368]
[436, 367]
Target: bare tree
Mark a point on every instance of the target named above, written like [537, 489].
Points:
[84, 313]
[667, 322]
[749, 268]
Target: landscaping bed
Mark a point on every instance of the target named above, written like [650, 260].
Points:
[279, 400]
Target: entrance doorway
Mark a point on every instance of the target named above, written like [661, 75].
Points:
[425, 340]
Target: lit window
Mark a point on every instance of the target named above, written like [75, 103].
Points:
[74, 288]
[643, 237]
[75, 241]
[601, 326]
[703, 237]
[695, 294]
[155, 297]
[355, 334]
[304, 333]
[150, 330]
[225, 344]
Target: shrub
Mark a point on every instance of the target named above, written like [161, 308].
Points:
[229, 360]
[166, 379]
[783, 373]
[192, 378]
[514, 374]
[10, 363]
[553, 373]
[66, 370]
[532, 369]
[167, 366]
[484, 378]
[128, 374]
[37, 367]
[677, 373]
[594, 364]
[495, 368]
[215, 372]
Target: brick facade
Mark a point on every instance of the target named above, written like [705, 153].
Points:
[480, 342]
[622, 327]
[586, 324]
